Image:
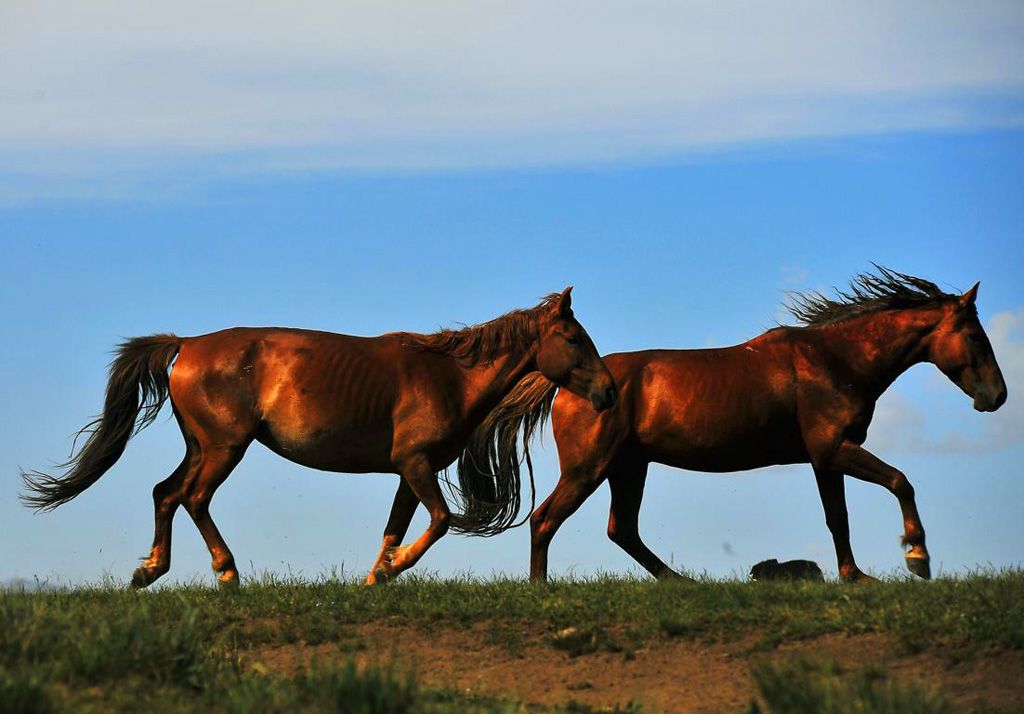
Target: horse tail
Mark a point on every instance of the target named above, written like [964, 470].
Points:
[489, 466]
[139, 385]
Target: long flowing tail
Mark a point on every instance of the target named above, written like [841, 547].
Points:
[139, 385]
[489, 467]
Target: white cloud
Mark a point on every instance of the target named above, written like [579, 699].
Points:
[1006, 332]
[793, 274]
[897, 424]
[113, 87]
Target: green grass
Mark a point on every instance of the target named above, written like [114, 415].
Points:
[803, 686]
[180, 648]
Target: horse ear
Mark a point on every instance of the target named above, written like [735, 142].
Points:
[564, 307]
[970, 296]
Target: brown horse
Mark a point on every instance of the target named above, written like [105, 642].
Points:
[400, 403]
[793, 395]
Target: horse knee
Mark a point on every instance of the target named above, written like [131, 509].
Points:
[537, 518]
[540, 527]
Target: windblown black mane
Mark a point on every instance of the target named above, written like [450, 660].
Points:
[867, 293]
[486, 341]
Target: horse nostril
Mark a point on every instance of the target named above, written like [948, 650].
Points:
[610, 395]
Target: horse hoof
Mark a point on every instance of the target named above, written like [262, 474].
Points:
[141, 578]
[858, 578]
[920, 567]
[228, 582]
[380, 576]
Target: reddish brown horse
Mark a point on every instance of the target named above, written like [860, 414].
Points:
[400, 403]
[792, 395]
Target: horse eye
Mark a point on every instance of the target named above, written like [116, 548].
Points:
[574, 340]
[974, 337]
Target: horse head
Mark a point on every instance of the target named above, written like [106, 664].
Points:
[567, 356]
[959, 347]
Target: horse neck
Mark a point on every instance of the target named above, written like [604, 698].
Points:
[881, 346]
[485, 384]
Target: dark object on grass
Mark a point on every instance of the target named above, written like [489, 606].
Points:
[790, 570]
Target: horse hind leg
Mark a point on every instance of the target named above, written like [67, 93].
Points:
[627, 488]
[215, 466]
[167, 497]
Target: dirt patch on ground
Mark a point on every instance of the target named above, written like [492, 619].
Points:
[660, 674]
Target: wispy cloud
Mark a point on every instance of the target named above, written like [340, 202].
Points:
[793, 275]
[1006, 331]
[897, 424]
[110, 90]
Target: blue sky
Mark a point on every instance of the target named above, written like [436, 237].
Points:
[339, 170]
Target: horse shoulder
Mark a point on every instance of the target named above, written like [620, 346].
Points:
[831, 408]
[429, 412]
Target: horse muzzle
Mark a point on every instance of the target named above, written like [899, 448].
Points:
[985, 401]
[604, 398]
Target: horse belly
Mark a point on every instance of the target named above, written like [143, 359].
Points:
[327, 403]
[705, 442]
[723, 458]
[360, 449]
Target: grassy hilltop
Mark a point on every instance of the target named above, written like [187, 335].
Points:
[282, 645]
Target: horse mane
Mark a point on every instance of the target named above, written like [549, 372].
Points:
[488, 469]
[888, 290]
[488, 340]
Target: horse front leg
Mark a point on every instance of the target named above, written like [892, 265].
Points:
[402, 511]
[422, 481]
[833, 499]
[862, 464]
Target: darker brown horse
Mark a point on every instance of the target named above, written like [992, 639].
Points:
[400, 403]
[792, 395]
